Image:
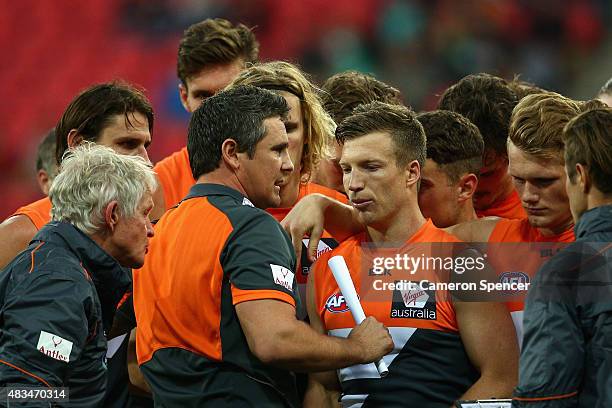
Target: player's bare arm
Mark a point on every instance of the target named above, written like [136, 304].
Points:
[291, 344]
[15, 235]
[490, 341]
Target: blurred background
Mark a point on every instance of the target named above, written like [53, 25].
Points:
[53, 49]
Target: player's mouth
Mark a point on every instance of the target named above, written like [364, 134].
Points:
[280, 183]
[535, 211]
[361, 203]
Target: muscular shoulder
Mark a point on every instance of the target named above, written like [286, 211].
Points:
[15, 234]
[474, 231]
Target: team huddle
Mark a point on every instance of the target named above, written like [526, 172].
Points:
[203, 280]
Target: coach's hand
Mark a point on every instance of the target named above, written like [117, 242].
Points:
[373, 340]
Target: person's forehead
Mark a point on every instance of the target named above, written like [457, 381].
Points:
[147, 199]
[133, 121]
[373, 145]
[295, 111]
[525, 165]
[214, 77]
[275, 130]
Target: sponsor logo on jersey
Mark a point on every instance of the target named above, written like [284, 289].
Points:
[336, 304]
[54, 346]
[414, 303]
[324, 245]
[282, 276]
[516, 277]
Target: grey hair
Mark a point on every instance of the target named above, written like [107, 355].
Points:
[90, 177]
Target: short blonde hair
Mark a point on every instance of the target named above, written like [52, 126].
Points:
[90, 177]
[537, 123]
[318, 125]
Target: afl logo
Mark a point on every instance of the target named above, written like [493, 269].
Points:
[514, 277]
[336, 304]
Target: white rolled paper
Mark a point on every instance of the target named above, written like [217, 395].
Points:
[338, 266]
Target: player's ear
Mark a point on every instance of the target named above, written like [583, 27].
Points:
[582, 177]
[467, 186]
[413, 173]
[74, 138]
[230, 154]
[183, 93]
[43, 181]
[111, 215]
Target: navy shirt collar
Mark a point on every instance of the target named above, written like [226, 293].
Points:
[598, 219]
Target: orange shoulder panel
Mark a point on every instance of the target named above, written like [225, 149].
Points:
[39, 212]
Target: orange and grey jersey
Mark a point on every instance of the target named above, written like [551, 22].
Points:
[515, 233]
[428, 366]
[210, 253]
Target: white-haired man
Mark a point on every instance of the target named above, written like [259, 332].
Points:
[58, 297]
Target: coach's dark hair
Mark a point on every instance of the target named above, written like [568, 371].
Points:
[93, 109]
[487, 101]
[214, 41]
[237, 113]
[344, 91]
[397, 120]
[453, 142]
[588, 141]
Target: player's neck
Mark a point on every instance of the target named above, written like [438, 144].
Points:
[399, 228]
[597, 199]
[557, 230]
[223, 177]
[506, 189]
[466, 213]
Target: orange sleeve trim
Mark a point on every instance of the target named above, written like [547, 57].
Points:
[240, 295]
[32, 255]
[26, 373]
[123, 299]
[554, 397]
